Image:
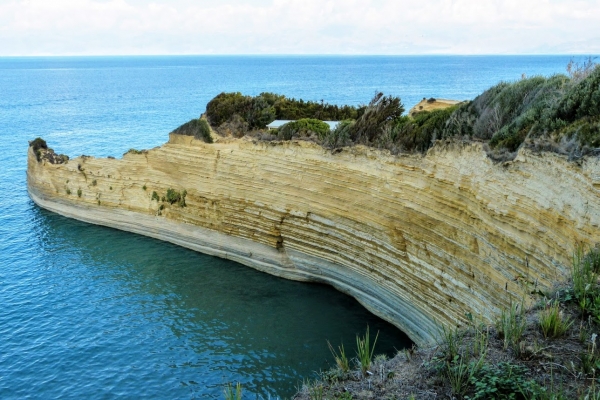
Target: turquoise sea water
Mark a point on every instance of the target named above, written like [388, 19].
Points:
[91, 312]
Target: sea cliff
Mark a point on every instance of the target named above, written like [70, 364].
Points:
[419, 240]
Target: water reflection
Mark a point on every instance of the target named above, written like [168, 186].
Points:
[176, 318]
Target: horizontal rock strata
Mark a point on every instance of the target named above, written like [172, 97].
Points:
[419, 241]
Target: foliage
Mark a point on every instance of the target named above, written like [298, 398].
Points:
[552, 321]
[419, 133]
[450, 340]
[155, 196]
[508, 113]
[364, 351]
[37, 144]
[174, 196]
[340, 136]
[303, 128]
[260, 110]
[502, 381]
[381, 112]
[79, 192]
[459, 372]
[231, 393]
[511, 326]
[341, 359]
[198, 128]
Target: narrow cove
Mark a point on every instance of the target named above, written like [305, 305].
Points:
[192, 321]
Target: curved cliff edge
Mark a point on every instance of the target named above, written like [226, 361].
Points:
[419, 241]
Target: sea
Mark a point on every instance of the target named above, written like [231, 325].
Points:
[88, 312]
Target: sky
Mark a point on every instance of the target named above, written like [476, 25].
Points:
[386, 27]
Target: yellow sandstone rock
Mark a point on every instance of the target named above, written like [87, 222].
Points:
[418, 240]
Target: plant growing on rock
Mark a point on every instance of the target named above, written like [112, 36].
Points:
[552, 321]
[364, 351]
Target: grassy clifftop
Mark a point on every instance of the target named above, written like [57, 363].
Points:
[560, 113]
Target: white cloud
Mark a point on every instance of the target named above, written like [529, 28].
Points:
[32, 27]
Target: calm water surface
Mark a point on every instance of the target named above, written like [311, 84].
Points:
[91, 312]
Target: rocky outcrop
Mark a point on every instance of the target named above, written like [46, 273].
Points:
[420, 241]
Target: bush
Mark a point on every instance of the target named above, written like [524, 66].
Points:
[257, 112]
[340, 136]
[198, 128]
[174, 196]
[502, 381]
[305, 127]
[225, 105]
[38, 144]
[378, 115]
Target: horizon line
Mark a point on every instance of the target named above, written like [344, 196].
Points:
[305, 55]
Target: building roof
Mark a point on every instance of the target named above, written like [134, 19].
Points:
[278, 123]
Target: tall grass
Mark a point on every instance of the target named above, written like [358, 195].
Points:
[341, 359]
[232, 393]
[511, 325]
[364, 351]
[552, 321]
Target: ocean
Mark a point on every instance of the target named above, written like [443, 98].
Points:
[91, 312]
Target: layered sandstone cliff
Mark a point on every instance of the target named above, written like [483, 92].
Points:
[420, 241]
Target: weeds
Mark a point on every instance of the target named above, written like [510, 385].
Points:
[502, 381]
[552, 321]
[341, 360]
[460, 373]
[364, 351]
[79, 193]
[450, 340]
[511, 326]
[233, 393]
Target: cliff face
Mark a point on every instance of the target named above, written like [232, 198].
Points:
[420, 241]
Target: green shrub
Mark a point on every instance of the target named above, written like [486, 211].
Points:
[174, 196]
[37, 144]
[79, 192]
[198, 128]
[155, 196]
[502, 381]
[303, 128]
[225, 105]
[257, 112]
[340, 136]
[381, 112]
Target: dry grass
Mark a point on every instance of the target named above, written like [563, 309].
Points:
[438, 104]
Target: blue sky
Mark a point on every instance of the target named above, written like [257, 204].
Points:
[115, 27]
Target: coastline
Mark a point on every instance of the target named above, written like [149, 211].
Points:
[419, 241]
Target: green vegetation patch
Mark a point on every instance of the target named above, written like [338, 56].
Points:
[305, 127]
[173, 196]
[198, 128]
[257, 112]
